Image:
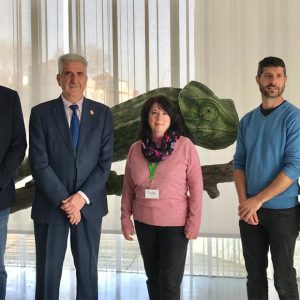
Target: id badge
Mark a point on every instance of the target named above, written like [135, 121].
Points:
[151, 194]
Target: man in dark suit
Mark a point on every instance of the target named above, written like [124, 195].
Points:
[70, 153]
[12, 151]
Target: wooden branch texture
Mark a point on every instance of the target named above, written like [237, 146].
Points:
[212, 176]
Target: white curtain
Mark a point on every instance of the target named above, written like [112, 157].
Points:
[131, 45]
[31, 38]
[137, 45]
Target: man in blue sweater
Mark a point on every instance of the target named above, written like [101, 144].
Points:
[266, 171]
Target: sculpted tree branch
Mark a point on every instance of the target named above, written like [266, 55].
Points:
[212, 175]
[208, 121]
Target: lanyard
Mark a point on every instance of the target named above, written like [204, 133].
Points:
[152, 168]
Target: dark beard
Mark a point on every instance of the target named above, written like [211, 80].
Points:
[265, 92]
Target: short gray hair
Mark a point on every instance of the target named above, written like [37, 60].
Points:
[70, 57]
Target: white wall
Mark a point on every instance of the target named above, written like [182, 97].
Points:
[231, 37]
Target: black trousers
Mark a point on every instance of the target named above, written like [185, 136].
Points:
[51, 244]
[164, 252]
[277, 231]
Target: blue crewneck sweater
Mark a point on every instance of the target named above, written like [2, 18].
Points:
[267, 145]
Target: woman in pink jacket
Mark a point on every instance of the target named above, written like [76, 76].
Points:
[162, 191]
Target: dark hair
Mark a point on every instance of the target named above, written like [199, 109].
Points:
[169, 107]
[270, 61]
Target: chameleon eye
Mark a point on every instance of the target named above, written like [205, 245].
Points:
[208, 113]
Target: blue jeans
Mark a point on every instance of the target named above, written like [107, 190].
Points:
[276, 232]
[3, 234]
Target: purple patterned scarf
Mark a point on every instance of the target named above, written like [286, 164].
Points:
[155, 154]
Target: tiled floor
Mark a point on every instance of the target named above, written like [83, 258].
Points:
[118, 254]
[129, 286]
[126, 285]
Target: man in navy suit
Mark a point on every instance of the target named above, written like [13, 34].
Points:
[12, 151]
[70, 153]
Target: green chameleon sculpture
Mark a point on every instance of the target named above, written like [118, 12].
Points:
[209, 122]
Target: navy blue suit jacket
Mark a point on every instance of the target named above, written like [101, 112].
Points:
[12, 144]
[58, 170]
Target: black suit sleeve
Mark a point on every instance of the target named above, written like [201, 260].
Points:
[96, 181]
[17, 145]
[45, 178]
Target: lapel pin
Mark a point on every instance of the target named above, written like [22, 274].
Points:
[91, 112]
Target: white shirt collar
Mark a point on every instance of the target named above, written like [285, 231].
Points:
[67, 103]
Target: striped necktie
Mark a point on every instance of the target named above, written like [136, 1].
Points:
[74, 125]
